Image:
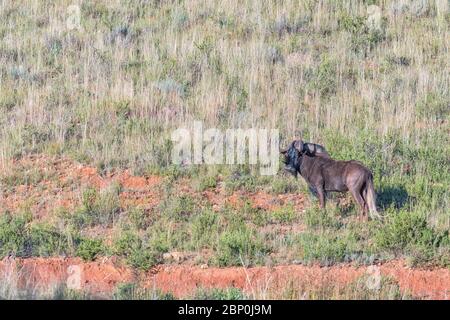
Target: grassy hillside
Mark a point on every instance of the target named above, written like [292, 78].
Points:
[109, 91]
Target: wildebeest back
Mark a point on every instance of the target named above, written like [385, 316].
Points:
[326, 167]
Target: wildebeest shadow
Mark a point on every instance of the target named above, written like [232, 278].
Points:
[392, 196]
[386, 197]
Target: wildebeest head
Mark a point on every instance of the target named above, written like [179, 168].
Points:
[292, 156]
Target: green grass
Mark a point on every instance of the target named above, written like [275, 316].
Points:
[22, 237]
[205, 183]
[323, 219]
[89, 249]
[284, 215]
[327, 248]
[132, 291]
[135, 251]
[380, 97]
[204, 229]
[219, 294]
[239, 246]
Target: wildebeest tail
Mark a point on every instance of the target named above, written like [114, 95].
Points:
[371, 197]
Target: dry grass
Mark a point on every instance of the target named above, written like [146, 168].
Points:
[110, 92]
[139, 70]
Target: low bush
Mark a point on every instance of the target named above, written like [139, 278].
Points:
[239, 246]
[135, 252]
[284, 215]
[326, 248]
[179, 207]
[14, 235]
[258, 216]
[219, 294]
[205, 183]
[46, 241]
[138, 218]
[241, 179]
[284, 185]
[317, 218]
[204, 228]
[89, 249]
[404, 228]
[22, 238]
[408, 233]
[97, 208]
[132, 291]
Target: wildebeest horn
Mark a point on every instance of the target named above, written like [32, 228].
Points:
[283, 151]
[298, 144]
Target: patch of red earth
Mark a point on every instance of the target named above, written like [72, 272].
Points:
[101, 277]
[41, 274]
[182, 281]
[64, 182]
[218, 197]
[258, 200]
[271, 202]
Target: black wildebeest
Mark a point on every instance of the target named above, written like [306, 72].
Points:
[325, 174]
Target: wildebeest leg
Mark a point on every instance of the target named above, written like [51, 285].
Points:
[363, 195]
[321, 196]
[312, 191]
[359, 200]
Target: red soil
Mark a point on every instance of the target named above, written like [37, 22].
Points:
[101, 277]
[264, 281]
[63, 180]
[258, 200]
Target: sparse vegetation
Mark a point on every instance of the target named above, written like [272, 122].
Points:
[135, 251]
[89, 249]
[239, 245]
[132, 291]
[20, 237]
[219, 294]
[110, 92]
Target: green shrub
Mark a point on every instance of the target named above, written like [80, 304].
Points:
[89, 249]
[138, 218]
[239, 246]
[97, 208]
[363, 39]
[204, 229]
[205, 183]
[258, 216]
[326, 248]
[179, 208]
[284, 185]
[135, 252]
[352, 24]
[219, 294]
[321, 219]
[285, 214]
[21, 238]
[241, 180]
[165, 235]
[324, 79]
[46, 241]
[131, 291]
[404, 228]
[14, 235]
